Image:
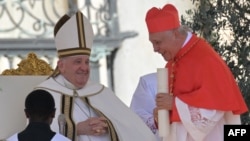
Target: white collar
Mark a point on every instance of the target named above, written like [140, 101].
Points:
[189, 35]
[63, 81]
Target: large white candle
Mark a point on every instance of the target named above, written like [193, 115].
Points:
[162, 79]
[163, 115]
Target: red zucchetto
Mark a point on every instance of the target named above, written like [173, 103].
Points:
[158, 20]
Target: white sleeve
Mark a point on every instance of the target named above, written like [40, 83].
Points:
[59, 137]
[197, 121]
[143, 100]
[13, 137]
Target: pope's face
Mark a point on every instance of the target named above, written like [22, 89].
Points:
[164, 44]
[75, 69]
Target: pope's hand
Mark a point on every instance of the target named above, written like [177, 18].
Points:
[92, 126]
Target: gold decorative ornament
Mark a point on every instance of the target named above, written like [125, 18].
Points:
[30, 66]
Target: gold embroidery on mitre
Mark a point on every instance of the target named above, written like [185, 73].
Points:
[73, 51]
[81, 31]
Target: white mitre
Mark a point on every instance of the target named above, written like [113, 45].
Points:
[75, 36]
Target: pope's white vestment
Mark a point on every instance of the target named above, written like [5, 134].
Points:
[128, 126]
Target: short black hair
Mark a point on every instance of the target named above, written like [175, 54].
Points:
[39, 104]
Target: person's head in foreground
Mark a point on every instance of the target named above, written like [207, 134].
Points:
[40, 106]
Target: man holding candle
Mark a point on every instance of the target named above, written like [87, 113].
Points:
[203, 94]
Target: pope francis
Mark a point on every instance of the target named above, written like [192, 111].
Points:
[88, 111]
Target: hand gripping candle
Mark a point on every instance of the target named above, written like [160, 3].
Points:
[163, 115]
